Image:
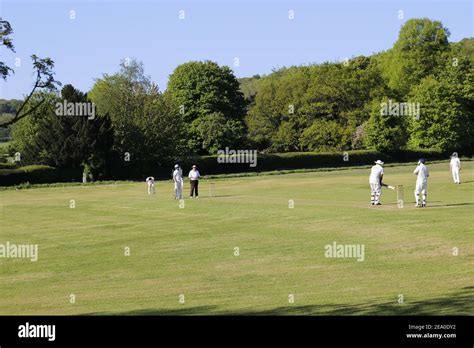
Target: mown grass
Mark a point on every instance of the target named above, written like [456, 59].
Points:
[190, 251]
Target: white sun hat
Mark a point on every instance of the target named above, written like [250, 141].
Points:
[379, 162]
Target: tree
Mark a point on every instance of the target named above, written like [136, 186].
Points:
[285, 139]
[199, 89]
[163, 132]
[44, 77]
[291, 100]
[322, 135]
[5, 31]
[63, 141]
[386, 132]
[215, 132]
[464, 47]
[249, 88]
[417, 53]
[123, 97]
[447, 103]
[147, 126]
[279, 109]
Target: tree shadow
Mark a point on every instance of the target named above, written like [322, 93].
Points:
[459, 303]
[453, 205]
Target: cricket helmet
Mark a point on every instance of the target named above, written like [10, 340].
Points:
[421, 160]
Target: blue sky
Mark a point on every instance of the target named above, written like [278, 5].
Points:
[258, 32]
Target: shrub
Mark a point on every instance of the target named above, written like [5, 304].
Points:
[208, 165]
[36, 174]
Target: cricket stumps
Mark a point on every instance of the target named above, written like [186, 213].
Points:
[399, 189]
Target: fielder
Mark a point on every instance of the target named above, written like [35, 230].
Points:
[151, 185]
[178, 182]
[375, 182]
[421, 171]
[455, 167]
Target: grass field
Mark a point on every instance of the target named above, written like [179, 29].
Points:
[190, 251]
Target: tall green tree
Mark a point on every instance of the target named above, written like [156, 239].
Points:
[123, 97]
[148, 129]
[417, 53]
[294, 99]
[64, 141]
[385, 130]
[214, 132]
[323, 135]
[447, 109]
[201, 89]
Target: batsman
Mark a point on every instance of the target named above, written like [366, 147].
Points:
[375, 182]
[422, 174]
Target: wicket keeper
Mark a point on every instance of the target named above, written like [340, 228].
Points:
[151, 185]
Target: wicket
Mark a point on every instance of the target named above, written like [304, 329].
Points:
[399, 189]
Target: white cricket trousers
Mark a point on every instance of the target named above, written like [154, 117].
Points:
[375, 193]
[421, 188]
[151, 188]
[455, 172]
[178, 187]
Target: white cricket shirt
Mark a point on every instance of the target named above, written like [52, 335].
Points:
[375, 174]
[422, 172]
[177, 175]
[194, 174]
[455, 163]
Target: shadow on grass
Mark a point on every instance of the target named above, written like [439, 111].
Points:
[452, 205]
[459, 303]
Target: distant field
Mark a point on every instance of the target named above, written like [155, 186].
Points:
[190, 251]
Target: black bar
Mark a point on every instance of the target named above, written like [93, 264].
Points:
[134, 330]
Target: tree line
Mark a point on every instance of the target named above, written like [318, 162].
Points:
[418, 94]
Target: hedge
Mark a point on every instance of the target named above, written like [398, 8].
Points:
[208, 165]
[38, 174]
[310, 160]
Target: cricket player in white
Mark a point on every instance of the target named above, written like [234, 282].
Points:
[178, 182]
[151, 185]
[375, 181]
[421, 171]
[455, 166]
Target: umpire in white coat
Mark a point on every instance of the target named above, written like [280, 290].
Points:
[194, 181]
